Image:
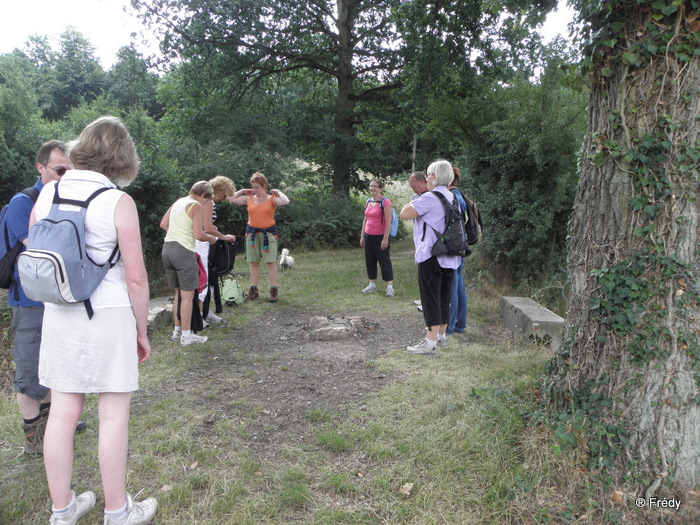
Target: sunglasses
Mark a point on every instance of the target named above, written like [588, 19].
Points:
[61, 171]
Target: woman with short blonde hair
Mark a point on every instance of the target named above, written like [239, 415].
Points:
[223, 189]
[184, 224]
[79, 355]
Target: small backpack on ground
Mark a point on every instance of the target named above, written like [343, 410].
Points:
[453, 240]
[472, 218]
[232, 293]
[394, 229]
[8, 254]
[55, 267]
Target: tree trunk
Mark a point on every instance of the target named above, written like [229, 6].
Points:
[344, 122]
[628, 373]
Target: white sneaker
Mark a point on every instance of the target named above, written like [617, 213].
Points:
[422, 348]
[192, 338]
[370, 288]
[139, 513]
[417, 302]
[211, 318]
[175, 336]
[390, 293]
[83, 504]
[442, 343]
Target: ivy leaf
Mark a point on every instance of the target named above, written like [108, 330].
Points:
[600, 159]
[632, 58]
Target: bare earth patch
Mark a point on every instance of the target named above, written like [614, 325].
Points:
[278, 372]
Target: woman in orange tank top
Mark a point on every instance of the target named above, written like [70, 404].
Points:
[261, 231]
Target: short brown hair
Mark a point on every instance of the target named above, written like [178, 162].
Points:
[106, 147]
[202, 189]
[258, 178]
[42, 156]
[223, 186]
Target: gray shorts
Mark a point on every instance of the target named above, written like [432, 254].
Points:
[180, 266]
[26, 323]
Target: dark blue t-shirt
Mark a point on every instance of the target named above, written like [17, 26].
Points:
[18, 214]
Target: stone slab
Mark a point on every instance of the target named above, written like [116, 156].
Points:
[160, 312]
[526, 318]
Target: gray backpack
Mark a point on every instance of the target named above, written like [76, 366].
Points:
[55, 267]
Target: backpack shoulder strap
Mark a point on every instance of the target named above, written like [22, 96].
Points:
[32, 193]
[57, 199]
[445, 206]
[446, 209]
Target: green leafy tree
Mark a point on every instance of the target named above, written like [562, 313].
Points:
[75, 77]
[627, 379]
[361, 46]
[522, 143]
[19, 124]
[131, 84]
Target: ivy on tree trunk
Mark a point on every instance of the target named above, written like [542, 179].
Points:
[628, 376]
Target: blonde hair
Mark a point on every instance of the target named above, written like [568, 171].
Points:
[223, 186]
[202, 189]
[258, 178]
[106, 147]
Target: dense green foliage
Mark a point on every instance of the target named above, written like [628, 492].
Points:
[209, 115]
[521, 164]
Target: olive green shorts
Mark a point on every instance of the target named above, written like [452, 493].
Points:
[257, 253]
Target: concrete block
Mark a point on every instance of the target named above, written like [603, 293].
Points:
[525, 318]
[160, 312]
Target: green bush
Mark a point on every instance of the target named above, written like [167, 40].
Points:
[316, 219]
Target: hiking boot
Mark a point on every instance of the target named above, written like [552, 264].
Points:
[139, 513]
[80, 427]
[34, 436]
[253, 292]
[370, 288]
[82, 505]
[273, 294]
[211, 318]
[192, 339]
[422, 348]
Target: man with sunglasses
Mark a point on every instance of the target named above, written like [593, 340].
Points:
[33, 399]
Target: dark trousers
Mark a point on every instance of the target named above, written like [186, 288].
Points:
[435, 286]
[374, 254]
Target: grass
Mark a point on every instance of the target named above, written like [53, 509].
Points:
[453, 427]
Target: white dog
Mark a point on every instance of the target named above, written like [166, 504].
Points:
[286, 261]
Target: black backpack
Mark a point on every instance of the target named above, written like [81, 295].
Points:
[8, 254]
[453, 240]
[222, 255]
[472, 219]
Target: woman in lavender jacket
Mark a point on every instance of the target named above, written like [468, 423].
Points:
[435, 273]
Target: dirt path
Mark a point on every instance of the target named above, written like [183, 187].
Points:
[279, 372]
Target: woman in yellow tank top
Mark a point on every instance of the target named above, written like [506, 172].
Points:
[261, 231]
[184, 223]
